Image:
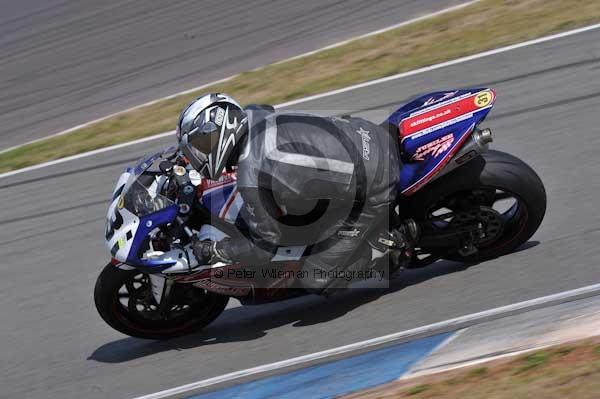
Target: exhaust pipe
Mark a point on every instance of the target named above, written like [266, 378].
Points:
[482, 138]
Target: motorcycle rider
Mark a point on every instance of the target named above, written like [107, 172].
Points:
[328, 182]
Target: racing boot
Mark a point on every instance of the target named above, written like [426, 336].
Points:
[397, 245]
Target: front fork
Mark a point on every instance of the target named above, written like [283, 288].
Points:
[162, 289]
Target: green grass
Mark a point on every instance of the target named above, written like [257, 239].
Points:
[564, 371]
[417, 389]
[478, 372]
[483, 26]
[532, 361]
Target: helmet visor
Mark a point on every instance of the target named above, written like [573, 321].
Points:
[204, 138]
[197, 144]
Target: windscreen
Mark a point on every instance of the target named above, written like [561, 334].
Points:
[141, 200]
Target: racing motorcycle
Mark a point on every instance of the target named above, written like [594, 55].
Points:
[469, 204]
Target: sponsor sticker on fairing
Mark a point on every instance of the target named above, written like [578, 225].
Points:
[445, 114]
[434, 148]
[430, 118]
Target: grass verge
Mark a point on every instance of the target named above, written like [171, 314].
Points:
[483, 26]
[565, 371]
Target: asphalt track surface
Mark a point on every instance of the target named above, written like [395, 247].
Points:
[66, 62]
[53, 343]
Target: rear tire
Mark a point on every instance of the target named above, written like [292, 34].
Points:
[493, 170]
[108, 296]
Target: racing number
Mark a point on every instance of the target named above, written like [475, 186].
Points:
[484, 99]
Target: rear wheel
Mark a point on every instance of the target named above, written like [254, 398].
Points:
[124, 300]
[497, 198]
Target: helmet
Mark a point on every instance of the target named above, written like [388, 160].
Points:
[209, 130]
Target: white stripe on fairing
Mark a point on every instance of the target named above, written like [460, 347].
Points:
[322, 95]
[447, 325]
[434, 106]
[228, 203]
[439, 126]
[235, 208]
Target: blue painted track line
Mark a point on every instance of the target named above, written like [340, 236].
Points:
[336, 378]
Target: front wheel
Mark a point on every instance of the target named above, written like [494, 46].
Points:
[125, 302]
[497, 195]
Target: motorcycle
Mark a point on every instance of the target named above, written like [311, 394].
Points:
[469, 204]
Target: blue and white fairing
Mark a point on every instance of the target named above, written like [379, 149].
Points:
[136, 209]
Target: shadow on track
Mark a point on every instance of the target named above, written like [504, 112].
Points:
[248, 323]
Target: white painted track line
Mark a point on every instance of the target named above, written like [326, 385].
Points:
[448, 325]
[338, 44]
[389, 28]
[444, 64]
[333, 92]
[88, 154]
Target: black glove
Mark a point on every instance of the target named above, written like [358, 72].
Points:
[206, 252]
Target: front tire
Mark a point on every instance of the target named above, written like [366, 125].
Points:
[124, 300]
[506, 177]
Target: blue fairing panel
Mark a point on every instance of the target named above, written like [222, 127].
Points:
[433, 128]
[147, 224]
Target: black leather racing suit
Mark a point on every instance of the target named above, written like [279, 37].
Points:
[309, 180]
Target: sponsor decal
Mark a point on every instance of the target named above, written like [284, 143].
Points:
[434, 148]
[348, 233]
[366, 147]
[441, 164]
[209, 284]
[340, 119]
[219, 116]
[430, 118]
[121, 243]
[226, 178]
[445, 114]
